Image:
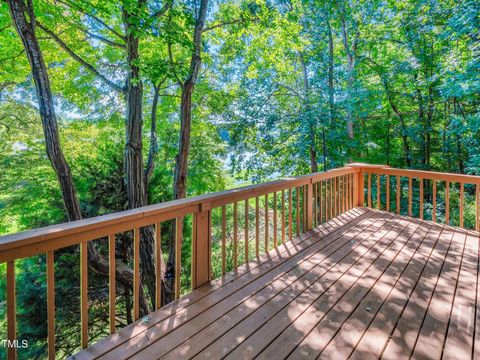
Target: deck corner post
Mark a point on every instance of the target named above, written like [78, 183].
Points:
[309, 209]
[201, 243]
[358, 188]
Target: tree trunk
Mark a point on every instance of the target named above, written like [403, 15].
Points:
[181, 164]
[153, 150]
[331, 90]
[403, 126]
[350, 50]
[134, 173]
[26, 32]
[310, 119]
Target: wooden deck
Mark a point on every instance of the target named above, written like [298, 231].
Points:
[367, 284]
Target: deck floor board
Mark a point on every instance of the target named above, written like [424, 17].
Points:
[365, 285]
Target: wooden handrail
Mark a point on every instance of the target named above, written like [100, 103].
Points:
[299, 194]
[423, 178]
[40, 241]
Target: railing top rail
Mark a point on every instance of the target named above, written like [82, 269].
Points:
[66, 234]
[430, 175]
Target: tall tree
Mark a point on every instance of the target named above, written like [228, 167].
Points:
[24, 20]
[187, 87]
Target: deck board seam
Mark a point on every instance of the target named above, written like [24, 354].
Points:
[312, 304]
[353, 215]
[454, 296]
[363, 273]
[387, 298]
[433, 296]
[334, 236]
[338, 249]
[400, 317]
[416, 251]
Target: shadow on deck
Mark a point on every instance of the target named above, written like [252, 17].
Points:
[365, 285]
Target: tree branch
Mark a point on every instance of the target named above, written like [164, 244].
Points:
[216, 26]
[172, 64]
[102, 39]
[152, 152]
[97, 19]
[168, 5]
[80, 60]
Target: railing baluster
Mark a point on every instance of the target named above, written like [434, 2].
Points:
[275, 219]
[235, 235]
[290, 220]
[178, 255]
[399, 193]
[462, 200]
[51, 303]
[387, 194]
[84, 294]
[257, 227]
[477, 207]
[304, 211]
[246, 231]
[11, 309]
[267, 235]
[345, 194]
[350, 189]
[327, 200]
[283, 216]
[298, 211]
[410, 196]
[335, 196]
[447, 202]
[136, 273]
[314, 207]
[111, 283]
[434, 210]
[341, 196]
[158, 265]
[348, 192]
[421, 197]
[320, 201]
[331, 205]
[378, 192]
[369, 192]
[224, 239]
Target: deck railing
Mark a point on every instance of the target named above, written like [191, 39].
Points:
[401, 190]
[271, 214]
[284, 208]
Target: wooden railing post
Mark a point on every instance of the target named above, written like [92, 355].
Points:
[201, 247]
[309, 207]
[358, 188]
